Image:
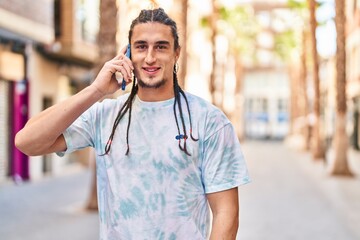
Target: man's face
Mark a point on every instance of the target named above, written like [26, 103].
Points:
[153, 55]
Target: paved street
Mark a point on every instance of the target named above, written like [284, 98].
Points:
[291, 197]
[49, 209]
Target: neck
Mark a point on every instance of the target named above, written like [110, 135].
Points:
[155, 94]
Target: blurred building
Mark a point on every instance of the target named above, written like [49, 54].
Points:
[266, 75]
[47, 50]
[267, 103]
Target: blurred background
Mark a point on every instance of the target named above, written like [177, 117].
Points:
[285, 72]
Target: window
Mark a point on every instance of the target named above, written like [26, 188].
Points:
[87, 14]
[264, 105]
[282, 105]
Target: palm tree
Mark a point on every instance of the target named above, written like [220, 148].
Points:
[288, 45]
[107, 50]
[318, 151]
[241, 43]
[183, 38]
[213, 21]
[180, 14]
[339, 165]
[303, 98]
[300, 101]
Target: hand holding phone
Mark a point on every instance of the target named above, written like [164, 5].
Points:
[127, 54]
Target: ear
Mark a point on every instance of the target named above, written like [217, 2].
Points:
[177, 53]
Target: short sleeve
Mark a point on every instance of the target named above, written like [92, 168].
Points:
[80, 134]
[223, 164]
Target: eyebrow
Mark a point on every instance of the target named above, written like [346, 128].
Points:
[161, 42]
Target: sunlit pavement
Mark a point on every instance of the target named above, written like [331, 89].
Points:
[291, 197]
[49, 209]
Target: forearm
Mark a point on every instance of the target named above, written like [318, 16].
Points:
[42, 130]
[225, 209]
[225, 226]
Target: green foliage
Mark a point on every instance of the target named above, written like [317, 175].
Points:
[240, 26]
[204, 22]
[297, 4]
[285, 42]
[303, 4]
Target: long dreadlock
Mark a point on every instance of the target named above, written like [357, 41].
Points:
[155, 15]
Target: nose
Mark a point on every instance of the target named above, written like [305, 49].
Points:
[150, 56]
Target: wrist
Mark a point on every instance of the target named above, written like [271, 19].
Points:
[96, 92]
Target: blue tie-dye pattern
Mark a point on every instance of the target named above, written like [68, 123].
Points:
[128, 208]
[157, 192]
[157, 201]
[146, 179]
[138, 195]
[172, 236]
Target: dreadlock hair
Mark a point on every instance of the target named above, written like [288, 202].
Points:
[156, 15]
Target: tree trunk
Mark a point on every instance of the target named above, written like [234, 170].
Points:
[303, 100]
[293, 101]
[107, 31]
[183, 39]
[339, 165]
[107, 50]
[295, 122]
[239, 99]
[213, 21]
[318, 151]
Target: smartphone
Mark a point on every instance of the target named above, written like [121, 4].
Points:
[127, 54]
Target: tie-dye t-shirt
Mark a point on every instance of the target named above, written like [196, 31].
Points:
[157, 191]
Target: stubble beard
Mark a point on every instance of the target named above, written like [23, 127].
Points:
[149, 85]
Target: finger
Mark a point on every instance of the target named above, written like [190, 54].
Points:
[126, 73]
[121, 53]
[125, 64]
[129, 62]
[119, 56]
[121, 70]
[124, 61]
[123, 50]
[120, 78]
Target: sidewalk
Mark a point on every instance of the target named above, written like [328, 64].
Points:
[49, 209]
[292, 197]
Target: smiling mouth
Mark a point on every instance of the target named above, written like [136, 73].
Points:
[151, 70]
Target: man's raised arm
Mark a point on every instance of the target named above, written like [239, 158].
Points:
[43, 133]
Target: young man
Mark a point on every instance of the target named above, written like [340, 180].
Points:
[162, 154]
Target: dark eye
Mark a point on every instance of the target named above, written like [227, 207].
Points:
[142, 46]
[161, 47]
